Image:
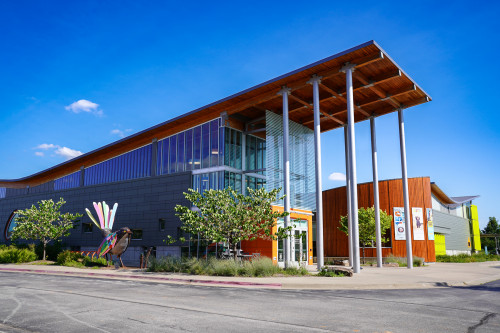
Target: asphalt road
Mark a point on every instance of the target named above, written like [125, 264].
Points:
[43, 303]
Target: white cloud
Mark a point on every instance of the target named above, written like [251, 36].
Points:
[46, 146]
[84, 106]
[337, 176]
[68, 153]
[65, 152]
[120, 133]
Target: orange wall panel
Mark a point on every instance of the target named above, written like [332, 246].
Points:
[391, 195]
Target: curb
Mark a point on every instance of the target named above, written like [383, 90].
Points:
[140, 277]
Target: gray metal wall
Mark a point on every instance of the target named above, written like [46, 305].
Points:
[455, 229]
[141, 203]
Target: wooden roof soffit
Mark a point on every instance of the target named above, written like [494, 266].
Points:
[369, 83]
[299, 83]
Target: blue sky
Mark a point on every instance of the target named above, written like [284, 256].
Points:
[141, 63]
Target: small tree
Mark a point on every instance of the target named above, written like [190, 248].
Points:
[491, 228]
[366, 224]
[44, 223]
[226, 215]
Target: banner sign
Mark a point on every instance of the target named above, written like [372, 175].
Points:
[430, 225]
[418, 223]
[399, 223]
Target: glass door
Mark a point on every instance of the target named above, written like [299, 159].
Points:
[298, 242]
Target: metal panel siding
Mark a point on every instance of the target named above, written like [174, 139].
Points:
[475, 228]
[455, 228]
[440, 243]
[141, 203]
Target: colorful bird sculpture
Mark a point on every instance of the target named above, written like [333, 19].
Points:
[114, 243]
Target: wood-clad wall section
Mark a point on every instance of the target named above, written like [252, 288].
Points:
[391, 195]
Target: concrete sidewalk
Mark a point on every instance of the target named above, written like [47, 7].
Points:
[433, 276]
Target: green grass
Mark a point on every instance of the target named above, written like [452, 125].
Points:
[464, 258]
[255, 268]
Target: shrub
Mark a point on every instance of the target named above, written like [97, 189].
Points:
[94, 262]
[398, 260]
[329, 273]
[75, 259]
[225, 268]
[264, 267]
[64, 258]
[418, 262]
[12, 254]
[295, 271]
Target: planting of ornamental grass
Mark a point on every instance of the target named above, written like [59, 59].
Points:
[216, 267]
[463, 258]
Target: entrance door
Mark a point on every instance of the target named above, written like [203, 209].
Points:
[298, 242]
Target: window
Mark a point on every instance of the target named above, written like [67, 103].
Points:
[131, 165]
[11, 223]
[87, 228]
[161, 224]
[205, 145]
[69, 181]
[136, 234]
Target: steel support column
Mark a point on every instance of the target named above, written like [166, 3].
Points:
[315, 80]
[376, 201]
[408, 226]
[286, 171]
[352, 167]
[348, 193]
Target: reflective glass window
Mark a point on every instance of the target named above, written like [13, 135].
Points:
[205, 145]
[180, 152]
[221, 145]
[165, 155]
[173, 154]
[159, 165]
[196, 183]
[205, 182]
[10, 225]
[197, 147]
[214, 143]
[189, 150]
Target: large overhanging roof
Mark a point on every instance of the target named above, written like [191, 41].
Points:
[380, 87]
[451, 202]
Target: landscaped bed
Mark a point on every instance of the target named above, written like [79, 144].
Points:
[223, 267]
[463, 258]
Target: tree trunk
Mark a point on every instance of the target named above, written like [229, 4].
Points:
[235, 252]
[44, 250]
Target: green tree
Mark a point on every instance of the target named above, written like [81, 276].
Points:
[44, 223]
[228, 216]
[366, 223]
[492, 228]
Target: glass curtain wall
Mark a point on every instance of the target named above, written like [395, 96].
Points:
[194, 149]
[69, 181]
[134, 164]
[227, 155]
[301, 143]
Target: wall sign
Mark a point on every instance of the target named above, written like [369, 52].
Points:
[399, 223]
[418, 223]
[430, 225]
